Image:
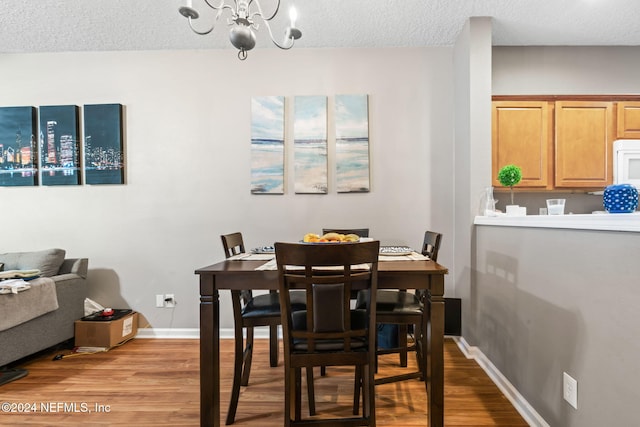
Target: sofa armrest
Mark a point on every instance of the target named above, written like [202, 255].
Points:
[78, 266]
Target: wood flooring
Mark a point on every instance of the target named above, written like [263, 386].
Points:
[155, 382]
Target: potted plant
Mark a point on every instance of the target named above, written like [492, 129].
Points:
[509, 176]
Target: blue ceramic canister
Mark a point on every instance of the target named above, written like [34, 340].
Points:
[620, 198]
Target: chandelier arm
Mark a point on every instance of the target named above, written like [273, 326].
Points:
[261, 14]
[219, 7]
[213, 26]
[281, 46]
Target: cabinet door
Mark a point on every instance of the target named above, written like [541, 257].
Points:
[629, 119]
[585, 132]
[522, 135]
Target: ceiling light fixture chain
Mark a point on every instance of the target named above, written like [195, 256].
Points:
[242, 22]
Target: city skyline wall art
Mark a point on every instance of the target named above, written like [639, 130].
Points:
[310, 145]
[18, 147]
[59, 145]
[267, 145]
[352, 143]
[103, 144]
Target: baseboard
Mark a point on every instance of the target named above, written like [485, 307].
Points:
[192, 333]
[517, 400]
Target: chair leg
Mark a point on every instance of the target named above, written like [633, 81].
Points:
[238, 360]
[289, 397]
[298, 394]
[273, 346]
[311, 394]
[368, 395]
[357, 384]
[402, 343]
[248, 355]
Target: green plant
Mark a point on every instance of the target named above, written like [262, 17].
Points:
[509, 176]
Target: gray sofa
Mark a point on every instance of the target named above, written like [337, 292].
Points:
[56, 326]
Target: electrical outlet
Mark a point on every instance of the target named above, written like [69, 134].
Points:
[570, 390]
[159, 300]
[169, 301]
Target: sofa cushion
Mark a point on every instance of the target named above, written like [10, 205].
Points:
[47, 261]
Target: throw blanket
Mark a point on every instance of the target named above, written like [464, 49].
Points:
[13, 286]
[18, 308]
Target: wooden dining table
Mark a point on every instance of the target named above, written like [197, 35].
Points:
[242, 274]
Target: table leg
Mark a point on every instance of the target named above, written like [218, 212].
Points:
[435, 352]
[209, 352]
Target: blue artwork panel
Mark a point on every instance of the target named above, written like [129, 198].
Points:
[18, 148]
[59, 153]
[267, 145]
[310, 145]
[352, 143]
[103, 145]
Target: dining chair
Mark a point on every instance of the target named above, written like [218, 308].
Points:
[362, 232]
[405, 309]
[251, 311]
[329, 332]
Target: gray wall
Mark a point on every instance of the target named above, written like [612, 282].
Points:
[548, 301]
[188, 161]
[543, 302]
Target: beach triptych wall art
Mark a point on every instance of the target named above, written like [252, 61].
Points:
[310, 145]
[352, 143]
[312, 152]
[267, 145]
[60, 155]
[18, 148]
[103, 146]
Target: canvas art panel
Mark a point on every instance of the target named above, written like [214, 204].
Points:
[18, 147]
[352, 143]
[59, 148]
[267, 145]
[103, 144]
[310, 145]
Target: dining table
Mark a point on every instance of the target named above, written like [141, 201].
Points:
[255, 272]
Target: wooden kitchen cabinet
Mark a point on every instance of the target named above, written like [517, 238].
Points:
[584, 135]
[560, 143]
[523, 136]
[628, 120]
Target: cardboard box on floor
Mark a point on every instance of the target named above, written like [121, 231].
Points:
[105, 334]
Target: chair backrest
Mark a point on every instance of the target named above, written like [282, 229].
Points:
[431, 244]
[362, 232]
[232, 244]
[327, 272]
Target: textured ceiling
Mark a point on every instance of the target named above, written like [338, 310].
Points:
[95, 25]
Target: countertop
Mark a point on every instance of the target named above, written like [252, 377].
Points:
[604, 221]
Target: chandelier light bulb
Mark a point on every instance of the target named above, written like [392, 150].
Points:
[293, 15]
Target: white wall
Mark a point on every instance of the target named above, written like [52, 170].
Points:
[187, 155]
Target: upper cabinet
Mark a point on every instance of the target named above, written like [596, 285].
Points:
[561, 142]
[628, 120]
[523, 136]
[585, 131]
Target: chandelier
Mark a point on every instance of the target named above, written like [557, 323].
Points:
[242, 22]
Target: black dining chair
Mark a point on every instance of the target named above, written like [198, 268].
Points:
[251, 311]
[329, 332]
[405, 309]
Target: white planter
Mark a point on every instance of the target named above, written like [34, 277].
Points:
[516, 210]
